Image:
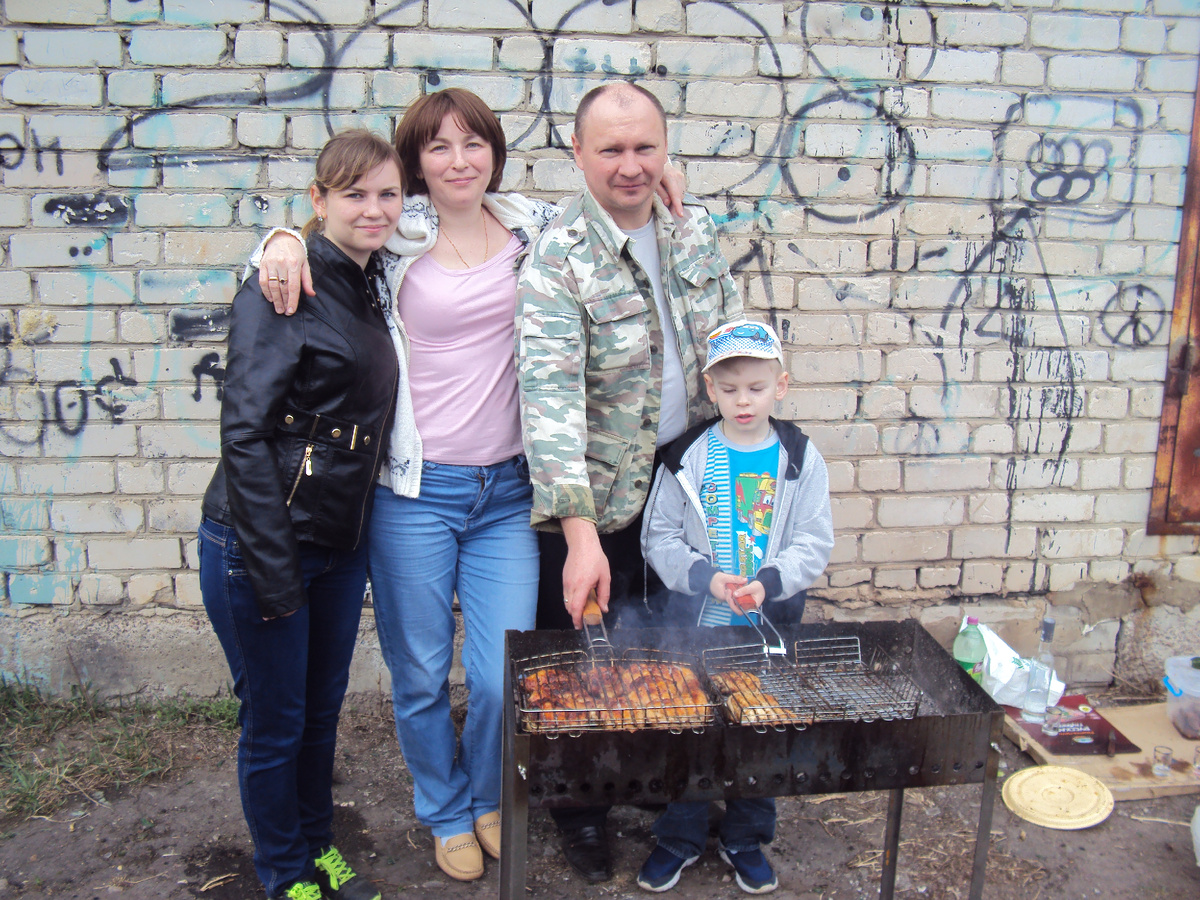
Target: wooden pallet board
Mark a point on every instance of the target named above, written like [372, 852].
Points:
[1127, 775]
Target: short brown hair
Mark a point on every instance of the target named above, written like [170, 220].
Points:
[422, 122]
[618, 88]
[345, 158]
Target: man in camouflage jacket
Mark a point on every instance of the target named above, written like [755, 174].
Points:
[591, 365]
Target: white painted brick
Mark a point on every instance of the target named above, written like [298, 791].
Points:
[1019, 577]
[973, 104]
[946, 474]
[786, 60]
[1092, 73]
[938, 576]
[952, 143]
[844, 439]
[176, 46]
[612, 58]
[258, 47]
[729, 19]
[566, 15]
[904, 546]
[898, 579]
[745, 99]
[261, 129]
[708, 138]
[855, 63]
[100, 590]
[136, 554]
[849, 577]
[1067, 32]
[299, 90]
[499, 92]
[137, 89]
[87, 132]
[930, 365]
[820, 256]
[1067, 112]
[839, 140]
[193, 130]
[852, 513]
[1140, 34]
[888, 328]
[1170, 74]
[200, 249]
[1108, 571]
[841, 472]
[67, 326]
[1145, 364]
[1053, 507]
[134, 249]
[1021, 69]
[834, 366]
[1184, 37]
[982, 578]
[1067, 543]
[916, 25]
[910, 511]
[172, 517]
[1130, 437]
[953, 66]
[704, 58]
[329, 12]
[1146, 402]
[879, 474]
[972, 182]
[852, 218]
[10, 53]
[213, 12]
[212, 89]
[344, 50]
[72, 49]
[138, 477]
[659, 15]
[29, 87]
[770, 292]
[1064, 576]
[1123, 259]
[96, 516]
[942, 218]
[839, 21]
[453, 13]
[392, 90]
[433, 50]
[931, 438]
[524, 53]
[88, 289]
[175, 210]
[312, 132]
[1124, 508]
[884, 402]
[978, 28]
[15, 288]
[79, 248]
[1176, 8]
[77, 12]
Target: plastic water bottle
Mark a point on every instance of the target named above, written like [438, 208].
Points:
[970, 650]
[1041, 673]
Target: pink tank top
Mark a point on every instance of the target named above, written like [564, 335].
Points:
[463, 377]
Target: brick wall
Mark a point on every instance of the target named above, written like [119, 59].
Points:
[962, 216]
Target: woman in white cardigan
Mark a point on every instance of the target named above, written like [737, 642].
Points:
[451, 514]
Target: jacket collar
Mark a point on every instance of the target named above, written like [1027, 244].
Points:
[611, 235]
[794, 441]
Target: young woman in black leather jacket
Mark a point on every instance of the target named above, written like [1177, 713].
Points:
[305, 417]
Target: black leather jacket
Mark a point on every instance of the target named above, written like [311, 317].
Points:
[305, 418]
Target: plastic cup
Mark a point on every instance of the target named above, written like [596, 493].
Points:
[1162, 761]
[1053, 721]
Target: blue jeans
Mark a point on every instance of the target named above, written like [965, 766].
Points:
[291, 675]
[467, 534]
[747, 824]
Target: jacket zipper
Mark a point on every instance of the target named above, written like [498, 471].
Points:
[305, 469]
[384, 439]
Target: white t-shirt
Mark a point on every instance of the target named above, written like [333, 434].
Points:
[673, 416]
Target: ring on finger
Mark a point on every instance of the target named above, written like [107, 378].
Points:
[283, 281]
[272, 278]
[566, 602]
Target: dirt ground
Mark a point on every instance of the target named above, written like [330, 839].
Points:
[183, 837]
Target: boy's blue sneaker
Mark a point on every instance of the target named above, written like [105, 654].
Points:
[660, 871]
[753, 873]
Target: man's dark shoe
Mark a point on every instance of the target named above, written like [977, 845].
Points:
[586, 851]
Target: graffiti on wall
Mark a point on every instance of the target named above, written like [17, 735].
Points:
[1003, 292]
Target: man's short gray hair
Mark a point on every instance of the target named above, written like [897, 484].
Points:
[622, 93]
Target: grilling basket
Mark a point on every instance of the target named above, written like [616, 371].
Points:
[762, 683]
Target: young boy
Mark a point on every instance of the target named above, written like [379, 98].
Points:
[738, 516]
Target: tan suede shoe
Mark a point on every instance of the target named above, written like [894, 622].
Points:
[459, 856]
[487, 831]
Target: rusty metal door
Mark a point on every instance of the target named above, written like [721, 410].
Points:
[1175, 499]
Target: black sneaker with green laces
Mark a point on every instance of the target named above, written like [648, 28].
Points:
[340, 882]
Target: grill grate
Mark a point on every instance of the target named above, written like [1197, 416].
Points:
[605, 694]
[825, 679]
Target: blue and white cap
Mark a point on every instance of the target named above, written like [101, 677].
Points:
[744, 338]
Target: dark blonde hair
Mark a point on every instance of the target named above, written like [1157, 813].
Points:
[345, 158]
[422, 122]
[623, 92]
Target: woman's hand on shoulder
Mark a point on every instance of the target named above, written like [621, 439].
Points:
[283, 271]
[671, 188]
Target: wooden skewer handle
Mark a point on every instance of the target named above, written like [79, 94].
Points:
[591, 611]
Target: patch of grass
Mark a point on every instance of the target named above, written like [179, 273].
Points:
[58, 750]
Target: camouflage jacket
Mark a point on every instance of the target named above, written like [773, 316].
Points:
[589, 354]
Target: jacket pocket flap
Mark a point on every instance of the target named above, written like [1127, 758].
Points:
[612, 307]
[701, 270]
[605, 447]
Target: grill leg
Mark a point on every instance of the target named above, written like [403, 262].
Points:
[983, 837]
[514, 803]
[891, 844]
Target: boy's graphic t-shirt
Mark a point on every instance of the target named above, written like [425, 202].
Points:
[738, 495]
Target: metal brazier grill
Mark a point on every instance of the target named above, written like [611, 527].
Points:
[951, 738]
